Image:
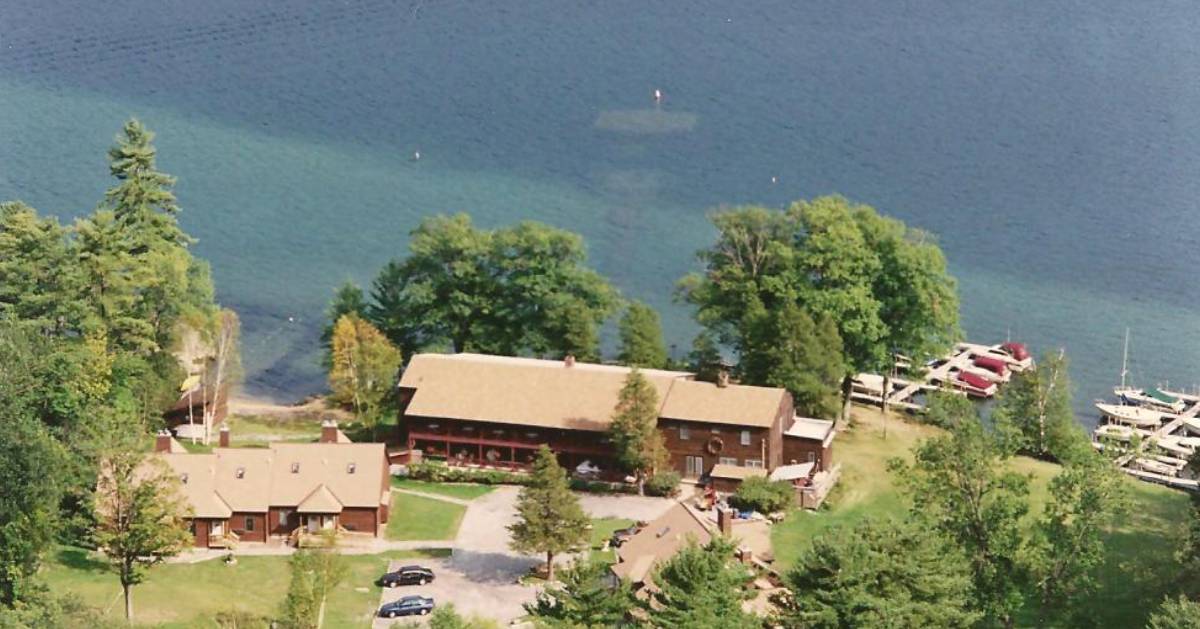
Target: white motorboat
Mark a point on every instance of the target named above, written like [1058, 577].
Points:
[1131, 415]
[1115, 432]
[1174, 446]
[1150, 398]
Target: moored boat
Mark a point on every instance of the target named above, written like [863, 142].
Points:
[1115, 432]
[995, 367]
[1150, 398]
[1131, 415]
[975, 385]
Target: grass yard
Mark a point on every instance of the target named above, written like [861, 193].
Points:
[246, 429]
[462, 491]
[602, 530]
[1140, 564]
[189, 595]
[417, 518]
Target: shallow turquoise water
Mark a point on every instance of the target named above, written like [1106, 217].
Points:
[1053, 149]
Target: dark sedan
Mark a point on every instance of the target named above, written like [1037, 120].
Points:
[407, 606]
[407, 575]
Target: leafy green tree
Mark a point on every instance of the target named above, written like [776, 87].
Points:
[314, 574]
[447, 617]
[138, 507]
[960, 486]
[642, 338]
[1177, 613]
[348, 299]
[522, 289]
[1068, 543]
[789, 350]
[884, 284]
[583, 599]
[947, 408]
[1036, 405]
[878, 573]
[550, 519]
[634, 429]
[764, 496]
[701, 587]
[113, 280]
[39, 281]
[364, 368]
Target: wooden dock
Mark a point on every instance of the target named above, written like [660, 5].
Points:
[1165, 430]
[869, 388]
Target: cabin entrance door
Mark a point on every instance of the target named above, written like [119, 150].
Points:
[693, 466]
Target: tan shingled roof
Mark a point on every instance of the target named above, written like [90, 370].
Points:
[199, 488]
[736, 472]
[743, 405]
[251, 492]
[547, 393]
[659, 541]
[321, 500]
[328, 463]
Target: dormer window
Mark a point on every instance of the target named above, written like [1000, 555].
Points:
[183, 478]
[295, 468]
[350, 468]
[240, 473]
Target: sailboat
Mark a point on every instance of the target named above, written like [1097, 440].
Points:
[1147, 398]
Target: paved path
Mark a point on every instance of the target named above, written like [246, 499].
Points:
[432, 496]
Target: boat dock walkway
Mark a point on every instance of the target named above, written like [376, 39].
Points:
[1165, 430]
[942, 375]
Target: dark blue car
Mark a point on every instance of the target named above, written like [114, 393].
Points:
[407, 606]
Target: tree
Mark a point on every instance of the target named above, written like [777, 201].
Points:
[550, 519]
[705, 359]
[789, 350]
[583, 599]
[764, 496]
[634, 429]
[959, 486]
[113, 279]
[39, 281]
[878, 573]
[447, 617]
[701, 587]
[138, 507]
[522, 289]
[1178, 613]
[315, 573]
[642, 338]
[1068, 538]
[224, 364]
[348, 299]
[885, 285]
[1036, 405]
[364, 368]
[948, 408]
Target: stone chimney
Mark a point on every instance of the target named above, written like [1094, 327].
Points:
[725, 521]
[329, 431]
[162, 441]
[745, 554]
[223, 436]
[569, 361]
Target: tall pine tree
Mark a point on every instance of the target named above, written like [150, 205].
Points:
[550, 519]
[701, 587]
[584, 599]
[634, 429]
[642, 338]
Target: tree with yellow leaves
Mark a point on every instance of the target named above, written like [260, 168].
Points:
[363, 369]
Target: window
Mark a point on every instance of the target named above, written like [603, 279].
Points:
[715, 431]
[240, 473]
[295, 468]
[249, 523]
[754, 463]
[684, 433]
[350, 468]
[812, 457]
[728, 460]
[284, 516]
[745, 437]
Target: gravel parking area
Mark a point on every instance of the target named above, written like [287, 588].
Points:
[477, 583]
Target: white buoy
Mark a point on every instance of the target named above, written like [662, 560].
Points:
[774, 179]
[416, 155]
[657, 95]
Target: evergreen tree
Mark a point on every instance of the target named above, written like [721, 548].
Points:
[789, 350]
[583, 599]
[705, 358]
[1178, 613]
[878, 574]
[364, 368]
[550, 519]
[348, 299]
[642, 338]
[634, 429]
[701, 587]
[40, 283]
[959, 486]
[113, 279]
[1036, 406]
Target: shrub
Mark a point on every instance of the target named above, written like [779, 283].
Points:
[663, 484]
[441, 473]
[763, 496]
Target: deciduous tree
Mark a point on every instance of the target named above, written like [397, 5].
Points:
[642, 338]
[314, 574]
[1036, 405]
[364, 368]
[1176, 613]
[788, 349]
[634, 429]
[550, 519]
[878, 573]
[348, 299]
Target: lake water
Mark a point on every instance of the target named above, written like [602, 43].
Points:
[1055, 149]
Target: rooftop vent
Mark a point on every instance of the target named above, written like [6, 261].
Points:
[350, 468]
[183, 478]
[240, 473]
[569, 361]
[295, 468]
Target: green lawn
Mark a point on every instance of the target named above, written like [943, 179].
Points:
[1140, 561]
[462, 491]
[189, 595]
[602, 529]
[416, 518]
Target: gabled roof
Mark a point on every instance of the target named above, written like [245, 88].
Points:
[807, 428]
[328, 464]
[659, 541]
[581, 396]
[321, 500]
[197, 476]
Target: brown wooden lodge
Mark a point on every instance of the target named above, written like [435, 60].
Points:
[495, 411]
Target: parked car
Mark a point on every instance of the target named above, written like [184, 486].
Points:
[620, 536]
[406, 575]
[408, 606]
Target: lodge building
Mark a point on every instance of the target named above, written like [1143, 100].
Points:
[495, 411]
[281, 492]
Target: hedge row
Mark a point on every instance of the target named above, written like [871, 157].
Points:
[664, 484]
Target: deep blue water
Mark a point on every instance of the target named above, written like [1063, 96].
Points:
[1054, 147]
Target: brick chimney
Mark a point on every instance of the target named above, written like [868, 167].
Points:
[725, 521]
[569, 361]
[162, 441]
[723, 377]
[329, 431]
[223, 436]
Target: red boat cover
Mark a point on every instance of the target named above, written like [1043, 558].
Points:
[979, 382]
[994, 365]
[1016, 350]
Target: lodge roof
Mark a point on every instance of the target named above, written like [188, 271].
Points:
[578, 396]
[325, 476]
